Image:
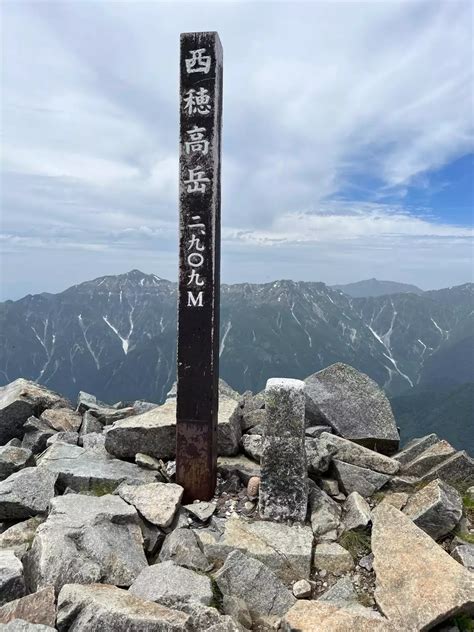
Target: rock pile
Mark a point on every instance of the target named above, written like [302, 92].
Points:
[320, 523]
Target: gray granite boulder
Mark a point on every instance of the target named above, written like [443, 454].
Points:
[253, 582]
[252, 445]
[325, 514]
[20, 400]
[353, 478]
[240, 465]
[157, 502]
[90, 424]
[83, 469]
[436, 508]
[19, 536]
[321, 616]
[356, 512]
[201, 510]
[13, 459]
[154, 432]
[342, 591]
[332, 557]
[168, 584]
[414, 448]
[429, 458]
[353, 405]
[26, 493]
[252, 418]
[464, 554]
[65, 437]
[99, 540]
[182, 547]
[355, 454]
[62, 419]
[39, 608]
[37, 432]
[12, 583]
[99, 608]
[318, 455]
[285, 549]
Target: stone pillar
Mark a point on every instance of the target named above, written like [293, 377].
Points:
[284, 483]
[199, 263]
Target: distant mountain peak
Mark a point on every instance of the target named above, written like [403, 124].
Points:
[376, 287]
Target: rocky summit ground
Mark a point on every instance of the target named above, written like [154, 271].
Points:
[94, 535]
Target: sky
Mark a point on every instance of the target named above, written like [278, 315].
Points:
[348, 140]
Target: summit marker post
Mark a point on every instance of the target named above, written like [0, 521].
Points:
[199, 263]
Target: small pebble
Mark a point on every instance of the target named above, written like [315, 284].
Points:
[302, 589]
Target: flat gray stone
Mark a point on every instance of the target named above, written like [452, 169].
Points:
[154, 432]
[82, 469]
[414, 448]
[321, 616]
[353, 478]
[431, 457]
[99, 540]
[201, 510]
[353, 405]
[20, 400]
[182, 547]
[253, 582]
[283, 485]
[62, 419]
[64, 437]
[147, 461]
[37, 432]
[96, 607]
[26, 493]
[168, 584]
[325, 514]
[13, 459]
[318, 456]
[12, 583]
[356, 512]
[90, 424]
[285, 549]
[355, 454]
[157, 502]
[39, 608]
[436, 508]
[418, 585]
[342, 591]
[240, 465]
[464, 554]
[332, 557]
[94, 441]
[457, 470]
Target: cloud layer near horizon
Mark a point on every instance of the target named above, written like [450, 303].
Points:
[333, 113]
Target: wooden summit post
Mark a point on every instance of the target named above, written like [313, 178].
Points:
[199, 263]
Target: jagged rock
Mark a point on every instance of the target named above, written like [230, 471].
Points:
[238, 610]
[37, 432]
[330, 486]
[153, 537]
[464, 554]
[145, 460]
[40, 607]
[315, 432]
[283, 483]
[99, 539]
[13, 459]
[353, 405]
[325, 514]
[457, 470]
[284, 549]
[139, 406]
[396, 499]
[436, 508]
[157, 502]
[240, 465]
[81, 469]
[12, 583]
[248, 579]
[342, 591]
[252, 446]
[353, 478]
[432, 456]
[318, 456]
[355, 454]
[168, 583]
[20, 400]
[356, 512]
[106, 416]
[181, 546]
[253, 418]
[19, 536]
[90, 424]
[18, 625]
[97, 607]
[94, 441]
[301, 589]
[201, 510]
[26, 493]
[309, 616]
[65, 437]
[86, 401]
[209, 619]
[62, 419]
[332, 557]
[418, 584]
[154, 432]
[414, 448]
